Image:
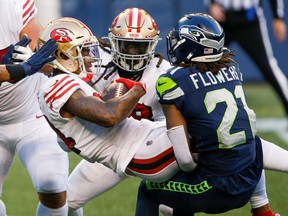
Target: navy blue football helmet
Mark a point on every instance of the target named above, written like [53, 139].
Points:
[197, 37]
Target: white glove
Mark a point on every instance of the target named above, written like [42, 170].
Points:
[22, 53]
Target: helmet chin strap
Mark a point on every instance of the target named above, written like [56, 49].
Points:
[135, 75]
[208, 58]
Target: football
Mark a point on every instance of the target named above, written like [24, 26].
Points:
[115, 89]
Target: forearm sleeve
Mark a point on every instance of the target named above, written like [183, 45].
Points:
[180, 145]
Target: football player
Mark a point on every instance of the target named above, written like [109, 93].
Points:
[204, 93]
[130, 53]
[23, 129]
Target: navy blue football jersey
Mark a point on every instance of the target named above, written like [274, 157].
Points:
[219, 121]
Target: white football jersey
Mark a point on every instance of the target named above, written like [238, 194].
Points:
[114, 147]
[15, 14]
[18, 101]
[148, 106]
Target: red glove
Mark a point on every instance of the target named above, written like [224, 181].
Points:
[130, 83]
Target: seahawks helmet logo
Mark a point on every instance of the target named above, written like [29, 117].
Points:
[198, 35]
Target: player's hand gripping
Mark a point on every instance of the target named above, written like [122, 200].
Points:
[40, 58]
[130, 83]
[19, 52]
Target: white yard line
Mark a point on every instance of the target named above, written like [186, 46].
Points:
[276, 125]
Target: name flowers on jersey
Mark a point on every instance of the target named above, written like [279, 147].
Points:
[224, 75]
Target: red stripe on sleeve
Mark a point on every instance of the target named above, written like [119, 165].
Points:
[57, 83]
[28, 18]
[62, 83]
[28, 10]
[64, 92]
[26, 3]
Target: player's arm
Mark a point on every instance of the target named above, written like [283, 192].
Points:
[175, 122]
[106, 114]
[4, 74]
[177, 133]
[31, 66]
[30, 23]
[173, 116]
[32, 30]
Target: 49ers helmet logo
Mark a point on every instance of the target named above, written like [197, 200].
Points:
[62, 35]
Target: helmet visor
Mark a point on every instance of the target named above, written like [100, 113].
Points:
[134, 47]
[89, 57]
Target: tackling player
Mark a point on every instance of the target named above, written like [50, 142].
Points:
[204, 93]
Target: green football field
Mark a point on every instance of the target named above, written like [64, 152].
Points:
[21, 199]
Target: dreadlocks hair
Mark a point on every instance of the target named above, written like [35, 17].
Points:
[109, 65]
[214, 67]
[106, 46]
[161, 57]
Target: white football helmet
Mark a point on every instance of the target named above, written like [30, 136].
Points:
[133, 36]
[77, 47]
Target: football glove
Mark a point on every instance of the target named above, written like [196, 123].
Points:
[130, 83]
[40, 58]
[21, 53]
[18, 52]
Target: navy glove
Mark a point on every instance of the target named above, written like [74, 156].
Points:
[40, 58]
[7, 58]
[24, 41]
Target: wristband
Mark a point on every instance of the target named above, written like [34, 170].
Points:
[16, 72]
[28, 70]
